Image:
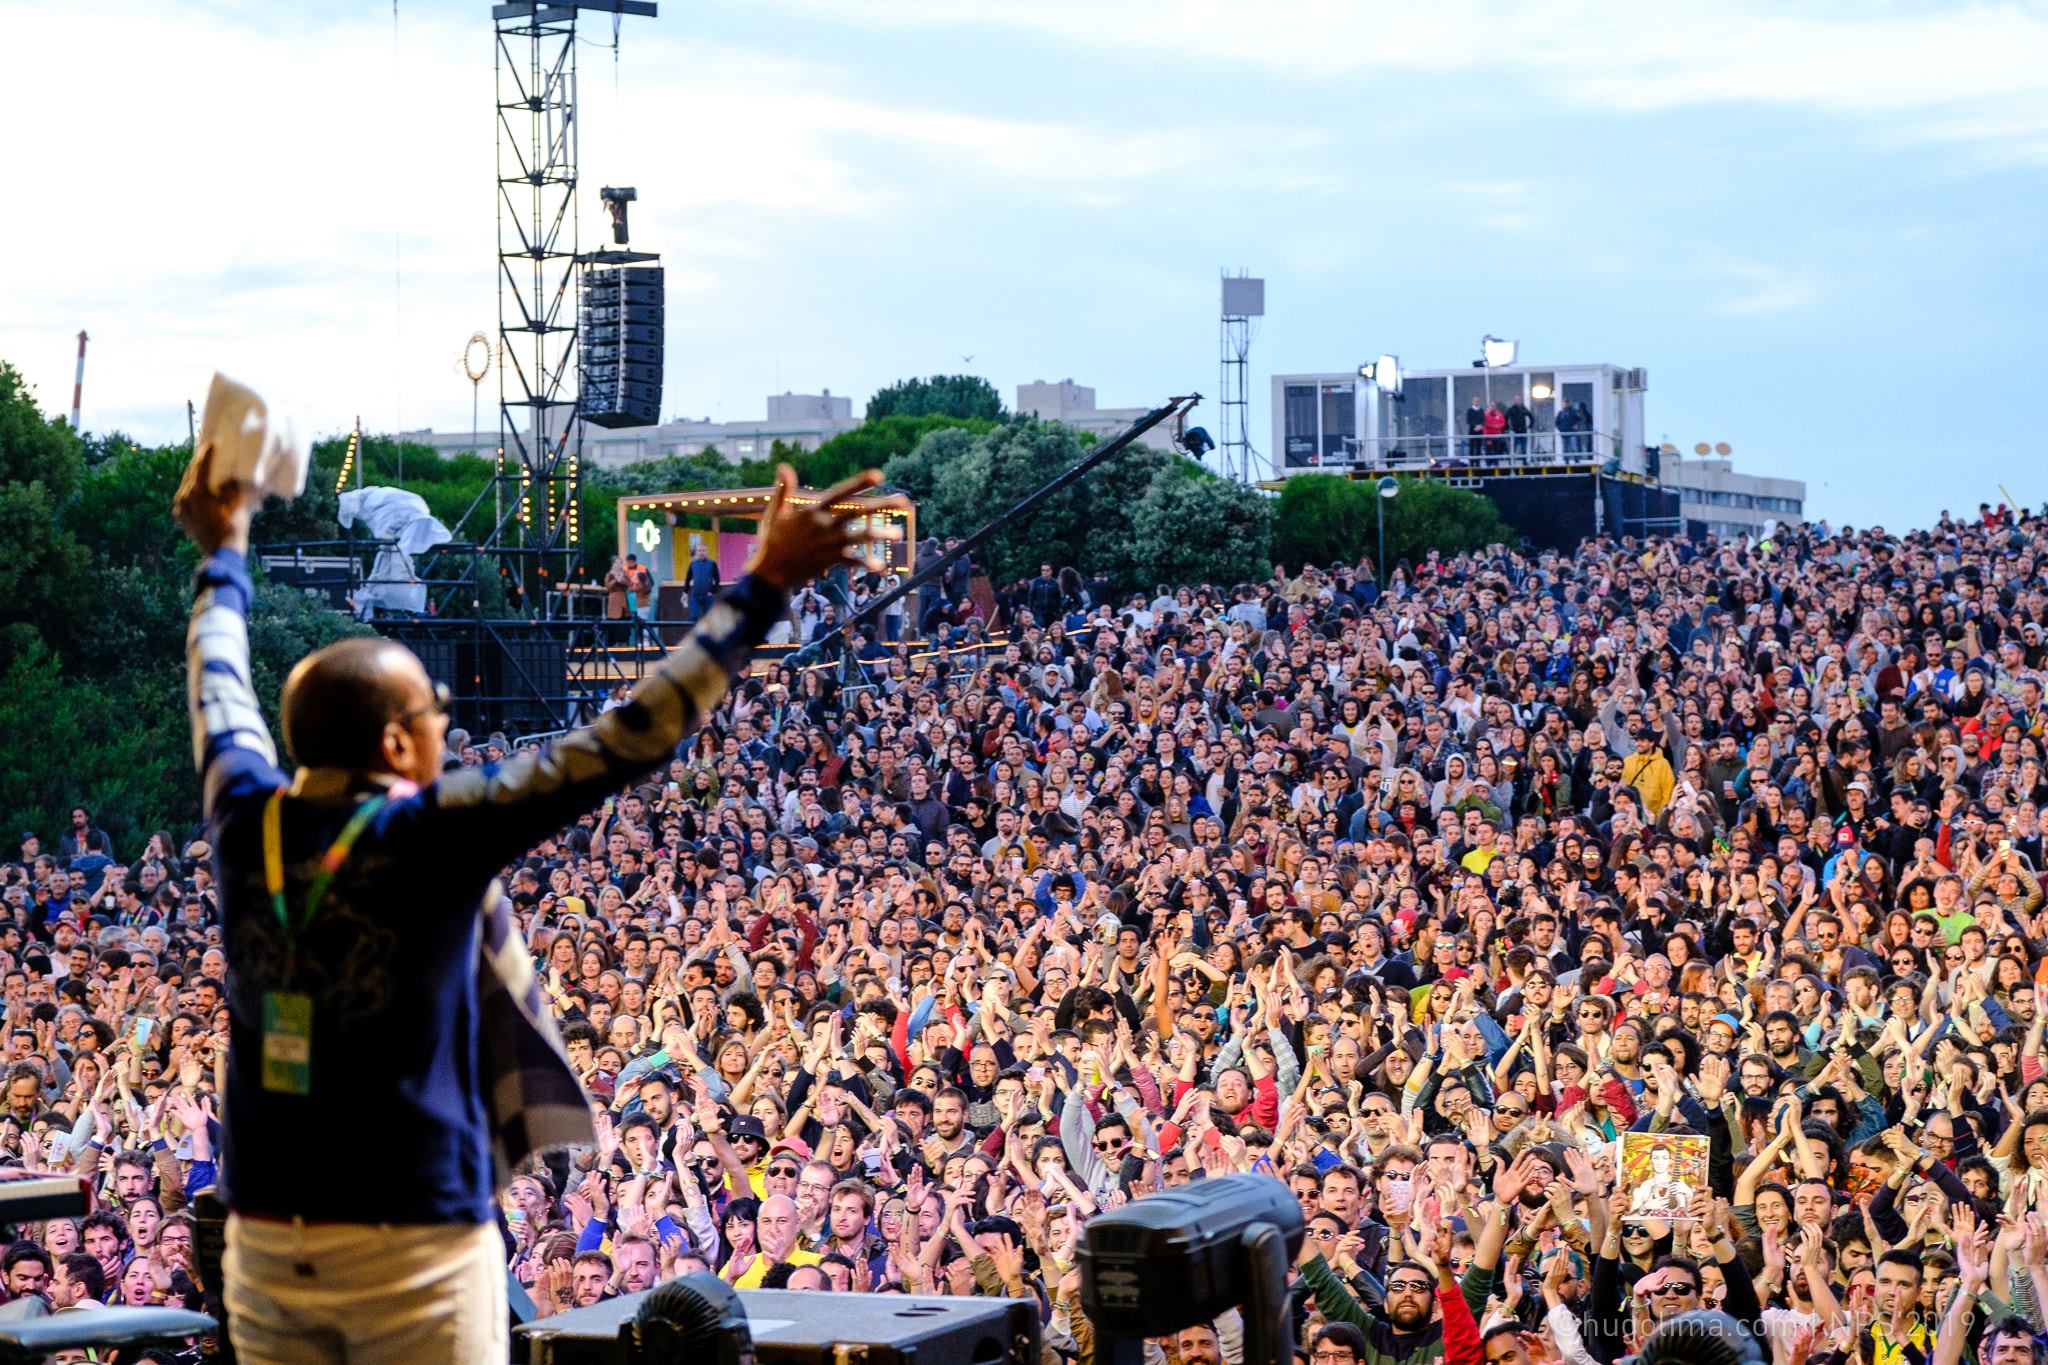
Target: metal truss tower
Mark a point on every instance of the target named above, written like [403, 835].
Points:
[1244, 301]
[539, 440]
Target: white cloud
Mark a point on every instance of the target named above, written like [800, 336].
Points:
[1967, 73]
[298, 200]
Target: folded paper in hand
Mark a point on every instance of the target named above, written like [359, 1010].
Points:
[253, 443]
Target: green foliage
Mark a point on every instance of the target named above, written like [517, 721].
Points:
[94, 595]
[1189, 529]
[66, 738]
[1143, 516]
[1326, 518]
[44, 574]
[874, 443]
[948, 395]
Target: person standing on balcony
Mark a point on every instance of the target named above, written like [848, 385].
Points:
[1520, 419]
[1475, 424]
[1495, 424]
[1567, 428]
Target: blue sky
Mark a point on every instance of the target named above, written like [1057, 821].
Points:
[1816, 226]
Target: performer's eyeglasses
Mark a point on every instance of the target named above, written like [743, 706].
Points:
[443, 698]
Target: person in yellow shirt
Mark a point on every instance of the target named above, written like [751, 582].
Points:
[1649, 772]
[777, 1225]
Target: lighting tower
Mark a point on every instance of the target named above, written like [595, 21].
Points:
[1244, 300]
[539, 440]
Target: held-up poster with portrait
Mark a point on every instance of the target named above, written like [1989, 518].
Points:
[1662, 1173]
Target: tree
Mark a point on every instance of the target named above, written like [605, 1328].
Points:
[1192, 527]
[1327, 519]
[1431, 515]
[960, 480]
[948, 395]
[44, 575]
[874, 443]
[97, 592]
[1141, 517]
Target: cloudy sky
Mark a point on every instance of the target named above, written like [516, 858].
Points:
[1817, 226]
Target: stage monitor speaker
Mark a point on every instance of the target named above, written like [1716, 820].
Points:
[522, 677]
[89, 1334]
[619, 341]
[672, 614]
[441, 656]
[1182, 1256]
[802, 1327]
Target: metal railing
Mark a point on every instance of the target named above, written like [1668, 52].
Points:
[1509, 449]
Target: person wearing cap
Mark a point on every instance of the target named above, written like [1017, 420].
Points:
[342, 1010]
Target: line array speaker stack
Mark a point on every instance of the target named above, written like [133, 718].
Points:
[620, 345]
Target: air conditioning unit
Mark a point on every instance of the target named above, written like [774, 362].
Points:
[1635, 381]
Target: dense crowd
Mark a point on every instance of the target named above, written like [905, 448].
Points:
[1416, 899]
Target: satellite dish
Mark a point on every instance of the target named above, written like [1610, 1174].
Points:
[1723, 448]
[1701, 449]
[1667, 449]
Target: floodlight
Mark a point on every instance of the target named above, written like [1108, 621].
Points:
[1496, 352]
[1384, 372]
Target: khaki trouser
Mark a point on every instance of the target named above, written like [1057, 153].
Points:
[355, 1294]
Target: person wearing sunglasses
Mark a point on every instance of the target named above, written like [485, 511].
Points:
[352, 891]
[1425, 1314]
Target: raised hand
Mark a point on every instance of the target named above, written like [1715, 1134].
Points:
[1713, 1084]
[1510, 1180]
[797, 543]
[1579, 1172]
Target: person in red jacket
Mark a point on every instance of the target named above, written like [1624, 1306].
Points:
[1495, 425]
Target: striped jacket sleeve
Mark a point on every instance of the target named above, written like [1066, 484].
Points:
[506, 807]
[231, 744]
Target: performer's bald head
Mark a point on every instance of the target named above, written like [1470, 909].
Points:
[358, 704]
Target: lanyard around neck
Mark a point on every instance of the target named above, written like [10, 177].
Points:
[330, 863]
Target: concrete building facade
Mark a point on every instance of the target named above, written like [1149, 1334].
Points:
[1713, 496]
[803, 420]
[1074, 404]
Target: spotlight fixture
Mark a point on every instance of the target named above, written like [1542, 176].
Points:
[1495, 353]
[1384, 372]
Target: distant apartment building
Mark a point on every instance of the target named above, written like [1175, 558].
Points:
[1716, 500]
[1074, 404]
[801, 420]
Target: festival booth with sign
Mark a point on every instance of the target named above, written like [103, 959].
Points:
[666, 529]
